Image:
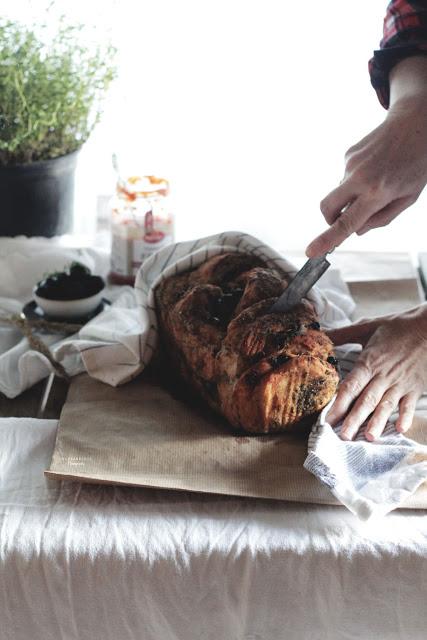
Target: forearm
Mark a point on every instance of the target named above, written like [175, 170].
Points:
[408, 81]
[404, 37]
[387, 170]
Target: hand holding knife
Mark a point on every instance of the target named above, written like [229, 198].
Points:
[304, 280]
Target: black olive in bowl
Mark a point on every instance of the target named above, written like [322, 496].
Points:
[70, 293]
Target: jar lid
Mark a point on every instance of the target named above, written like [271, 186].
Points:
[142, 187]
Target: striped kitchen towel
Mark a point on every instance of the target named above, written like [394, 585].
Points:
[334, 304]
[117, 348]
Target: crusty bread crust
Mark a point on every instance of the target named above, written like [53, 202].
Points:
[265, 372]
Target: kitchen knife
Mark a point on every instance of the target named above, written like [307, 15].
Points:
[298, 288]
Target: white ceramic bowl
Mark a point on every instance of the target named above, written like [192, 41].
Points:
[69, 308]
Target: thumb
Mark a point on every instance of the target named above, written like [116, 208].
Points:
[359, 332]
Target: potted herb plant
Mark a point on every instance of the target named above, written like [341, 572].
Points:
[52, 86]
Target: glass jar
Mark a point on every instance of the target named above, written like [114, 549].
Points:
[141, 224]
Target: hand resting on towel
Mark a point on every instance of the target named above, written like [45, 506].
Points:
[390, 373]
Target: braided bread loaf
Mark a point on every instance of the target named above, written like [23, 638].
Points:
[265, 372]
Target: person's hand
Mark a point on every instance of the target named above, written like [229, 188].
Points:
[384, 174]
[390, 373]
[387, 170]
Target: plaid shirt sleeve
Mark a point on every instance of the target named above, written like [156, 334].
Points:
[405, 34]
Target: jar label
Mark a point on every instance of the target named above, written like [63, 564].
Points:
[131, 245]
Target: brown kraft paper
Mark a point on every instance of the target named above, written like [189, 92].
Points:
[149, 434]
[142, 434]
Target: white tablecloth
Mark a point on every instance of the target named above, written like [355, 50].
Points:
[82, 562]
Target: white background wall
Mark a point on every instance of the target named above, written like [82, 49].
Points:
[246, 106]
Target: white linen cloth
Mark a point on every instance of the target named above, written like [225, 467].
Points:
[113, 334]
[93, 562]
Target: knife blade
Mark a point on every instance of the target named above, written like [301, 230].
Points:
[306, 277]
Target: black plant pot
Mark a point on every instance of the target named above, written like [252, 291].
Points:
[37, 199]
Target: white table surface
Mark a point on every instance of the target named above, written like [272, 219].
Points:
[108, 563]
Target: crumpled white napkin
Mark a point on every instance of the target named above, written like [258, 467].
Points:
[113, 334]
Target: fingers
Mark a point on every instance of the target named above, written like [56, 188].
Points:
[336, 200]
[389, 372]
[373, 401]
[382, 413]
[406, 412]
[387, 214]
[359, 333]
[350, 388]
[366, 404]
[354, 217]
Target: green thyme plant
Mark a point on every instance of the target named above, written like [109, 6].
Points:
[51, 89]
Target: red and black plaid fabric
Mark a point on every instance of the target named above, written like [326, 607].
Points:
[405, 34]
